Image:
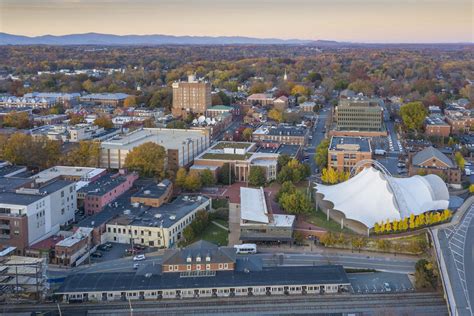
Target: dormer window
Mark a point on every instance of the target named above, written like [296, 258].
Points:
[188, 259]
[198, 258]
[208, 258]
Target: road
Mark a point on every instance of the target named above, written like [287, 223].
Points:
[380, 263]
[318, 135]
[456, 245]
[388, 264]
[372, 304]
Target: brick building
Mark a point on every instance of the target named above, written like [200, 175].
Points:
[193, 96]
[345, 152]
[431, 161]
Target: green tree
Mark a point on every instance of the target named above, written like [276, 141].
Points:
[321, 157]
[148, 159]
[282, 161]
[413, 115]
[104, 122]
[207, 178]
[188, 234]
[257, 176]
[226, 174]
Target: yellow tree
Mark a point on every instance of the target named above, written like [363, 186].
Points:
[412, 221]
[395, 225]
[181, 177]
[377, 228]
[388, 226]
[275, 115]
[130, 101]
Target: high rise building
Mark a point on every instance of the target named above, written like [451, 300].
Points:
[359, 114]
[193, 96]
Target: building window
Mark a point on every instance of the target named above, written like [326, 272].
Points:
[176, 268]
[221, 266]
[188, 267]
[198, 267]
[226, 266]
[208, 267]
[170, 268]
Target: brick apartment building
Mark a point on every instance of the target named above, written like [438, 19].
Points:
[193, 96]
[436, 126]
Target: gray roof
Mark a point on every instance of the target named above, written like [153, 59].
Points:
[178, 208]
[153, 190]
[202, 249]
[364, 143]
[130, 281]
[430, 153]
[19, 199]
[13, 183]
[103, 185]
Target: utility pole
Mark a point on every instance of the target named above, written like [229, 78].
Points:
[130, 305]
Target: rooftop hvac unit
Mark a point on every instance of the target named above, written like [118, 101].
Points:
[172, 217]
[147, 192]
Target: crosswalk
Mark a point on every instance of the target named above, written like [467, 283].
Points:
[456, 236]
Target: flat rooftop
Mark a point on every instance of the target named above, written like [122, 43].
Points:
[153, 190]
[253, 205]
[283, 149]
[11, 169]
[282, 130]
[166, 137]
[168, 214]
[103, 185]
[53, 172]
[361, 144]
[436, 120]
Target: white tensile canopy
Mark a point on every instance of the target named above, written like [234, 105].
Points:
[372, 197]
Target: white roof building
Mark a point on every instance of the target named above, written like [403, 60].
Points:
[372, 197]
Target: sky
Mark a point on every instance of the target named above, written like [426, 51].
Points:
[378, 21]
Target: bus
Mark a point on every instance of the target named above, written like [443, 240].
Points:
[246, 248]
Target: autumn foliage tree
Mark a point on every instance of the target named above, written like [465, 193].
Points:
[148, 159]
[104, 122]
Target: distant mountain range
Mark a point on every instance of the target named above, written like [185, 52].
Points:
[109, 39]
[158, 39]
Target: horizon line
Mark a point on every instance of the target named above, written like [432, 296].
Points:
[239, 36]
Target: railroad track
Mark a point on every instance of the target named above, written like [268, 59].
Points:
[249, 304]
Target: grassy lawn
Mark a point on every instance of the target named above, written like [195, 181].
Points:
[216, 234]
[320, 219]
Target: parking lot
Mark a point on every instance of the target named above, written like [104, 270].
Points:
[117, 251]
[364, 283]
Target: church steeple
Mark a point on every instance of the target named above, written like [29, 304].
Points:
[285, 77]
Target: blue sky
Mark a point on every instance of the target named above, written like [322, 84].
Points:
[342, 20]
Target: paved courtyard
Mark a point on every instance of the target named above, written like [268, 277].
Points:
[364, 283]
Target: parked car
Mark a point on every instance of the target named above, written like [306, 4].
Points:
[96, 254]
[139, 258]
[103, 248]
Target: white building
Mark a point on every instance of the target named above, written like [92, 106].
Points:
[182, 145]
[157, 226]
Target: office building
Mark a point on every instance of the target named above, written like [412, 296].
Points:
[345, 152]
[156, 226]
[30, 213]
[359, 116]
[193, 96]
